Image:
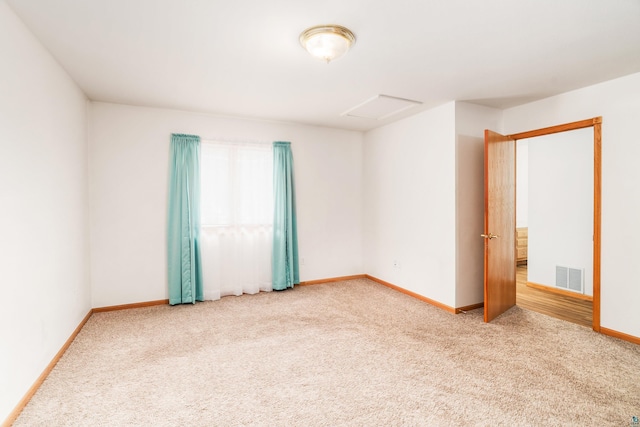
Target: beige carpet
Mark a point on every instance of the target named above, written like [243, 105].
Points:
[345, 354]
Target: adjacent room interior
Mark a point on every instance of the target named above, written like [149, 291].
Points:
[556, 172]
[387, 141]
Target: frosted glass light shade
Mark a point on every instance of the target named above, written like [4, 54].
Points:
[327, 42]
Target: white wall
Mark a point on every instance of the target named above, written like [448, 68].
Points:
[409, 187]
[471, 121]
[469, 220]
[522, 183]
[43, 209]
[618, 102]
[128, 164]
[561, 200]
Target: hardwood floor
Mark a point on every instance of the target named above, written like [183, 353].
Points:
[559, 306]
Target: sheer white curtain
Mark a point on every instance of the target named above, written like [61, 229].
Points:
[237, 217]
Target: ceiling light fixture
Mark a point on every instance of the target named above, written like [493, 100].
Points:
[327, 42]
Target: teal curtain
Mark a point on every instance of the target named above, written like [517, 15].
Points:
[285, 269]
[184, 262]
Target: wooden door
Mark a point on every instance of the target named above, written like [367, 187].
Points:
[499, 224]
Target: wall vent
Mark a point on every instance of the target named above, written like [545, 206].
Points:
[571, 279]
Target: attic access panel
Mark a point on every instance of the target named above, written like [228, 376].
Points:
[381, 107]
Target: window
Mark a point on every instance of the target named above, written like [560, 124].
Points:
[236, 217]
[236, 184]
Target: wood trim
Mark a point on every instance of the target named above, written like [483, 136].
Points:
[620, 335]
[554, 290]
[36, 385]
[485, 270]
[469, 307]
[597, 215]
[128, 306]
[332, 279]
[556, 129]
[412, 294]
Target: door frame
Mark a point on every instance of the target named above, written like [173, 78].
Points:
[596, 123]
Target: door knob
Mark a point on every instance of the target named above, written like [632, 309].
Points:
[489, 236]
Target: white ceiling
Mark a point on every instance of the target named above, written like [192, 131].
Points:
[243, 58]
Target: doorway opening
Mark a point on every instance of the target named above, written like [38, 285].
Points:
[500, 253]
[554, 222]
